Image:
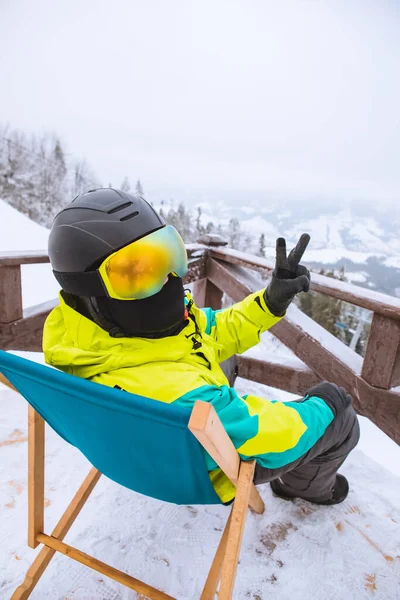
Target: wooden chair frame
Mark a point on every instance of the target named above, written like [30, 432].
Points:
[207, 428]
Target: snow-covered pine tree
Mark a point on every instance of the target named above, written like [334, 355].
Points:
[209, 227]
[139, 188]
[261, 246]
[35, 176]
[81, 179]
[125, 185]
[338, 317]
[234, 233]
[199, 227]
[52, 185]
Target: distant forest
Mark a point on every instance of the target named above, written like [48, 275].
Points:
[38, 178]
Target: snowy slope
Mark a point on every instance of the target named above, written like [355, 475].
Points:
[361, 228]
[333, 236]
[18, 233]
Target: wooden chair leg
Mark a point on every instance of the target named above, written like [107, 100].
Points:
[207, 428]
[214, 575]
[36, 427]
[236, 528]
[256, 503]
[40, 563]
[5, 381]
[105, 569]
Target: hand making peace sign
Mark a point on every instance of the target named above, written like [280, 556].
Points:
[289, 277]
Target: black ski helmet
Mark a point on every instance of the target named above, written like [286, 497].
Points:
[94, 225]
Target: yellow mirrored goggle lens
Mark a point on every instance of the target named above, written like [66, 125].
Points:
[140, 269]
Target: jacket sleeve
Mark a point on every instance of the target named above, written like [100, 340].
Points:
[238, 328]
[285, 430]
[272, 432]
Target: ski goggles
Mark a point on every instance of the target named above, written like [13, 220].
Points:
[141, 269]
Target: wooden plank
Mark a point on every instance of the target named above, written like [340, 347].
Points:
[10, 294]
[381, 366]
[395, 381]
[375, 301]
[196, 270]
[199, 290]
[76, 505]
[45, 555]
[211, 292]
[206, 426]
[291, 331]
[213, 296]
[236, 529]
[36, 427]
[382, 407]
[256, 503]
[221, 275]
[103, 568]
[9, 258]
[281, 376]
[26, 334]
[214, 575]
[23, 258]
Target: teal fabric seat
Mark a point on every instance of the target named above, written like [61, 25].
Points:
[142, 444]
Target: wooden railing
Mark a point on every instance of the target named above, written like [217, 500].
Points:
[215, 270]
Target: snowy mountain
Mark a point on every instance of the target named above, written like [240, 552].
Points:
[359, 236]
[19, 233]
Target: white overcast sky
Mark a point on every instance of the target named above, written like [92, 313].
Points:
[222, 94]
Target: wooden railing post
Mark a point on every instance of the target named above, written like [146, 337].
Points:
[213, 296]
[10, 293]
[205, 292]
[381, 366]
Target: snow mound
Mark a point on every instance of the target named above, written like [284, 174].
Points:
[19, 233]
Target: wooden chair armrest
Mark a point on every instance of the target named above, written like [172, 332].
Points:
[206, 426]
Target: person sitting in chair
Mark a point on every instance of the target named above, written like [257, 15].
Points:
[126, 321]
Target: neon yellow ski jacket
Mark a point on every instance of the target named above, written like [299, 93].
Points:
[177, 370]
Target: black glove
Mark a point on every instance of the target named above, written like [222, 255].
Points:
[335, 397]
[288, 278]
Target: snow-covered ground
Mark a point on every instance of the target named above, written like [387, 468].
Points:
[18, 233]
[294, 551]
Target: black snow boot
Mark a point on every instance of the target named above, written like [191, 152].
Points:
[339, 492]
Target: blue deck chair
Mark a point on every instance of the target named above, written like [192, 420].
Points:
[127, 438]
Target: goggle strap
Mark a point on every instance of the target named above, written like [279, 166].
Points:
[81, 284]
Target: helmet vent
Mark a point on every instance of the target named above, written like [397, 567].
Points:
[119, 207]
[130, 216]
